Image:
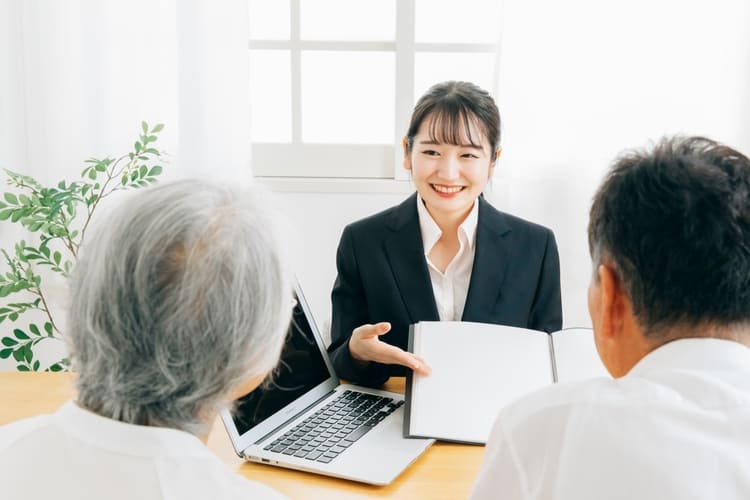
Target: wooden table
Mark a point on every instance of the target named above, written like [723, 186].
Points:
[445, 471]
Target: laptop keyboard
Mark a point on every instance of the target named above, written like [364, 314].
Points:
[334, 427]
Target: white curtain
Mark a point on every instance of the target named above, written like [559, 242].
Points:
[77, 77]
[581, 80]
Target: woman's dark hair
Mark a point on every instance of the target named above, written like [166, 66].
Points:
[451, 107]
[674, 223]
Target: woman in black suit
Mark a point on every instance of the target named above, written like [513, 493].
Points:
[443, 254]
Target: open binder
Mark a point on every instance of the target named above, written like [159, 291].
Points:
[478, 368]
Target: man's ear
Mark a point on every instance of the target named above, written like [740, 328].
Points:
[611, 299]
[407, 156]
[620, 340]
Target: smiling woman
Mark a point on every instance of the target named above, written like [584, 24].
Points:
[443, 254]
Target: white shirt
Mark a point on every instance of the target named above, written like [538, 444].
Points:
[451, 287]
[77, 454]
[676, 427]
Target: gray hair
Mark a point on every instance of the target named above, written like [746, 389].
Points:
[181, 296]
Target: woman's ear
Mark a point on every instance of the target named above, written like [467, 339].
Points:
[493, 163]
[407, 156]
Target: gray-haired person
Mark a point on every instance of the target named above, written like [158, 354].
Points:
[669, 235]
[178, 306]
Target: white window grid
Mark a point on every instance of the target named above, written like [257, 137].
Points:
[297, 159]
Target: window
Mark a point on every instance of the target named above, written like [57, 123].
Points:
[333, 82]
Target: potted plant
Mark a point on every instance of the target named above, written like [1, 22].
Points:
[58, 217]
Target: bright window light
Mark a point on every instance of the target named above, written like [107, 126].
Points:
[347, 97]
[371, 20]
[448, 21]
[433, 67]
[271, 96]
[269, 19]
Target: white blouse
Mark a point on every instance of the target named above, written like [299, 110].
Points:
[450, 287]
[74, 453]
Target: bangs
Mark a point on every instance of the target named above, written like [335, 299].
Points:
[452, 125]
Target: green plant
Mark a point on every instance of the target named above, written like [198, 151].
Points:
[60, 216]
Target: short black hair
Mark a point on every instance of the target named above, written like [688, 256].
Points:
[452, 106]
[674, 222]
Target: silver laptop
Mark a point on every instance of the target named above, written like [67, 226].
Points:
[303, 418]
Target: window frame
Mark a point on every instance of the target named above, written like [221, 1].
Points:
[314, 161]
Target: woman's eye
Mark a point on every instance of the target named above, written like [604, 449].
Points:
[430, 152]
[471, 156]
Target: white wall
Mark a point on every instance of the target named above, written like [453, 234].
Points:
[579, 81]
[318, 220]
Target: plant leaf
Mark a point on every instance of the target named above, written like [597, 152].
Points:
[20, 334]
[5, 353]
[11, 198]
[34, 329]
[9, 342]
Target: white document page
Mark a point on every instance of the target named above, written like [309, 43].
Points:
[575, 355]
[477, 369]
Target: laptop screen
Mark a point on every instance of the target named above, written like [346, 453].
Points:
[300, 369]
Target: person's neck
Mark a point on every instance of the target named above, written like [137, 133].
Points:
[736, 332]
[450, 221]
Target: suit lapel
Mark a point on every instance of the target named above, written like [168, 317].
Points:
[490, 264]
[405, 253]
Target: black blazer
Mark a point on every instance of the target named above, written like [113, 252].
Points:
[383, 276]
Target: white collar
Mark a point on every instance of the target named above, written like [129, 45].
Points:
[708, 354]
[431, 232]
[138, 440]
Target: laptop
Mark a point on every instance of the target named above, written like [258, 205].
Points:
[303, 418]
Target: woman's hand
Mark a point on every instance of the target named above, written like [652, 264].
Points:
[364, 345]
